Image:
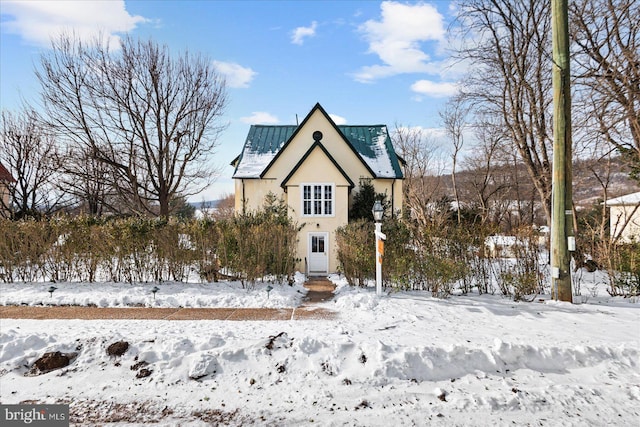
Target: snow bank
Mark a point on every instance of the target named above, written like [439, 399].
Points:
[404, 358]
[169, 294]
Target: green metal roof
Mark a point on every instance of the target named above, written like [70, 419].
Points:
[371, 144]
[268, 139]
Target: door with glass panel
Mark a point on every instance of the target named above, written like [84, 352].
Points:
[318, 254]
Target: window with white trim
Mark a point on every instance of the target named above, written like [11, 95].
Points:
[317, 199]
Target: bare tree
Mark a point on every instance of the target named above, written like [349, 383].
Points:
[454, 119]
[485, 179]
[422, 172]
[152, 118]
[508, 44]
[522, 194]
[224, 208]
[29, 152]
[85, 179]
[607, 69]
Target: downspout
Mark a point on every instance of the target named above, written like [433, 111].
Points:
[244, 201]
[349, 203]
[393, 201]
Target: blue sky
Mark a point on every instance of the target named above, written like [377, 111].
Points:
[366, 62]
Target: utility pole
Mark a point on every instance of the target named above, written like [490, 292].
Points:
[562, 239]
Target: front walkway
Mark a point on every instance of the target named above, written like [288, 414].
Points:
[320, 289]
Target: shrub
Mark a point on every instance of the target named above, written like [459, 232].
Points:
[142, 249]
[440, 258]
[521, 274]
[259, 244]
[23, 244]
[413, 258]
[356, 251]
[624, 271]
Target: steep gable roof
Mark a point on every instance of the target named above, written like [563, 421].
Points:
[5, 175]
[371, 144]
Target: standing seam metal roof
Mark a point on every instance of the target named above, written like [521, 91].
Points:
[265, 139]
[372, 143]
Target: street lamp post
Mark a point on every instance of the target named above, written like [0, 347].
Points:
[378, 211]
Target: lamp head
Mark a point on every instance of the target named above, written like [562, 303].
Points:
[378, 211]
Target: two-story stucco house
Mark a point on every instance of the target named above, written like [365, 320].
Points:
[5, 181]
[316, 168]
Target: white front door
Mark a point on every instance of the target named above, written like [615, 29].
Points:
[318, 254]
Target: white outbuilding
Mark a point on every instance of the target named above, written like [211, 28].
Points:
[624, 218]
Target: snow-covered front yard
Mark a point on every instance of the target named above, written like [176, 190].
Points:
[401, 359]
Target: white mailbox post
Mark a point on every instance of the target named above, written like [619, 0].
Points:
[378, 211]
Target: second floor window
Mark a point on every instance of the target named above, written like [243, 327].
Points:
[317, 199]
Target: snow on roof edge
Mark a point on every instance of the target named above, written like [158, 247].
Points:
[627, 199]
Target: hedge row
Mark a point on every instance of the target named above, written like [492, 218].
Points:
[86, 249]
[440, 259]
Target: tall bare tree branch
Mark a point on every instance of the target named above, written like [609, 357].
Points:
[422, 172]
[454, 119]
[29, 152]
[508, 43]
[151, 117]
[606, 34]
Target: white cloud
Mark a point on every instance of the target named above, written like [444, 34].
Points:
[38, 22]
[260, 117]
[338, 120]
[299, 34]
[236, 75]
[435, 89]
[396, 39]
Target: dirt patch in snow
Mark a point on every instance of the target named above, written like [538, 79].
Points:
[50, 362]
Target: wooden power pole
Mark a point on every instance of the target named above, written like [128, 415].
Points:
[562, 239]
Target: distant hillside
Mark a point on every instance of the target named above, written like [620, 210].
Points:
[587, 188]
[206, 204]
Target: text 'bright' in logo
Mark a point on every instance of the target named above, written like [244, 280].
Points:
[37, 415]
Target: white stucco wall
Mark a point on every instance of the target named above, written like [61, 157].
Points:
[624, 217]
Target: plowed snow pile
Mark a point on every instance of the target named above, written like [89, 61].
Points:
[401, 359]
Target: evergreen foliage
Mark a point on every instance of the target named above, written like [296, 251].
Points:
[363, 201]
